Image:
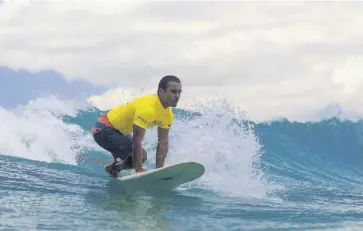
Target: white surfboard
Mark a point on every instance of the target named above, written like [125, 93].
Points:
[167, 177]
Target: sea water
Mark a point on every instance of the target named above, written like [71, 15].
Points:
[279, 175]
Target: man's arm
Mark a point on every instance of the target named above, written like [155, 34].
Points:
[162, 146]
[138, 136]
[140, 124]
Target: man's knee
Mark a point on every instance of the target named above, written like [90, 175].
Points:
[144, 155]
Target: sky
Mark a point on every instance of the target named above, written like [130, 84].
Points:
[286, 59]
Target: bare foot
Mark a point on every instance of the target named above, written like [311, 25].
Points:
[111, 170]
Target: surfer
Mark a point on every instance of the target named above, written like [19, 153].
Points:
[121, 129]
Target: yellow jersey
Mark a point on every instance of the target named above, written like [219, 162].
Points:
[145, 111]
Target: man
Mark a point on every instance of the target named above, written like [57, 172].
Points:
[113, 130]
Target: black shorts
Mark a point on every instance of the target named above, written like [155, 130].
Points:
[112, 140]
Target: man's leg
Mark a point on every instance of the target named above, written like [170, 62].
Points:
[119, 146]
[100, 136]
[127, 163]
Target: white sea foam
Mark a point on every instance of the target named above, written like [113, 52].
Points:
[36, 131]
[229, 151]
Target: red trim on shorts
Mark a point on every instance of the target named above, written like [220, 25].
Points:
[103, 120]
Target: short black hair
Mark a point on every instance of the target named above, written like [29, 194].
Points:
[163, 84]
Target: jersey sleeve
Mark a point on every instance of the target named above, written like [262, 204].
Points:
[142, 118]
[167, 121]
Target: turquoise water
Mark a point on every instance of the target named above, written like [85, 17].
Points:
[275, 176]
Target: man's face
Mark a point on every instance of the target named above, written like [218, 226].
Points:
[172, 94]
